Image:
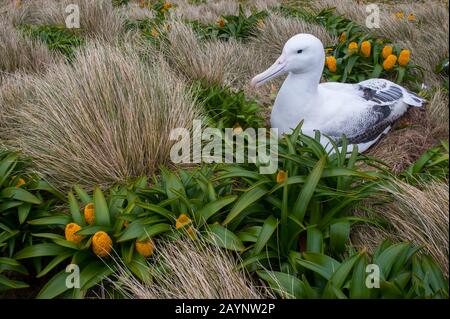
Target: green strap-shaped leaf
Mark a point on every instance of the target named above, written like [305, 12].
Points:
[75, 210]
[222, 237]
[319, 263]
[101, 211]
[286, 285]
[82, 194]
[207, 211]
[40, 250]
[339, 277]
[248, 198]
[269, 226]
[301, 204]
[55, 286]
[20, 194]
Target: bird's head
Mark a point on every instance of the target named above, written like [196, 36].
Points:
[303, 53]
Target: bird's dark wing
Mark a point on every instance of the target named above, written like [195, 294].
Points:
[382, 96]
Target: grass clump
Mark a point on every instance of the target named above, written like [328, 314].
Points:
[102, 120]
[187, 269]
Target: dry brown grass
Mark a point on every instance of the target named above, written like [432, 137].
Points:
[408, 139]
[103, 120]
[415, 213]
[98, 19]
[19, 53]
[214, 62]
[210, 11]
[277, 29]
[437, 111]
[192, 270]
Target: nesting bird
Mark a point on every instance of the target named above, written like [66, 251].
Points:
[363, 112]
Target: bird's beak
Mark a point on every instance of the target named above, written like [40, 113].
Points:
[276, 69]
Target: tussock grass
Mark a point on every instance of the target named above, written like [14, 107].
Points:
[187, 269]
[98, 19]
[19, 53]
[212, 62]
[103, 120]
[277, 29]
[229, 63]
[437, 111]
[37, 12]
[415, 213]
[210, 11]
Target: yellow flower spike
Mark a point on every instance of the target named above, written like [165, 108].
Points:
[330, 61]
[365, 48]
[411, 17]
[89, 214]
[101, 244]
[167, 5]
[399, 15]
[353, 48]
[389, 62]
[154, 32]
[342, 37]
[281, 176]
[221, 22]
[182, 220]
[145, 248]
[403, 57]
[20, 182]
[237, 129]
[70, 233]
[261, 24]
[387, 51]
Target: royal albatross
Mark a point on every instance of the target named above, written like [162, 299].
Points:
[363, 112]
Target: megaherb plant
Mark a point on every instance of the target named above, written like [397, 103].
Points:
[394, 271]
[95, 232]
[123, 224]
[225, 108]
[56, 37]
[305, 206]
[238, 26]
[295, 227]
[23, 198]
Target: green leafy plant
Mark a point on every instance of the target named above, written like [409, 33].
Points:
[225, 108]
[118, 3]
[401, 273]
[23, 197]
[238, 26]
[433, 164]
[306, 206]
[81, 250]
[56, 37]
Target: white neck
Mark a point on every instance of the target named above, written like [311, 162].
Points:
[303, 85]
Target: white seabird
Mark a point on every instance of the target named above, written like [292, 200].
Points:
[363, 112]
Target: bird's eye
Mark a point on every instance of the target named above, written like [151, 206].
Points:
[299, 51]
